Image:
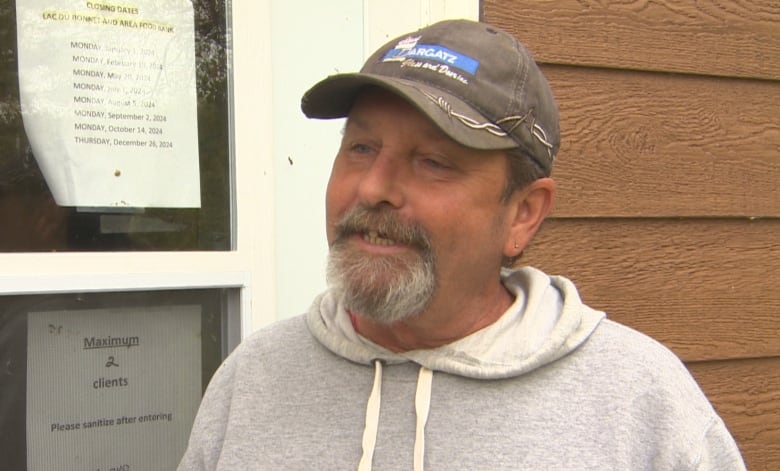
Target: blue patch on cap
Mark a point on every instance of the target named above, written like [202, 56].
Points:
[435, 53]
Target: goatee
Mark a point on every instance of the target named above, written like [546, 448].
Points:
[385, 288]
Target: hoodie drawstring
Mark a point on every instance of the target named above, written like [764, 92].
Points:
[372, 419]
[422, 403]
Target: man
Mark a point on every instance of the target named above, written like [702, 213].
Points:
[424, 351]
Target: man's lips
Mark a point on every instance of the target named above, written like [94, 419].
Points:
[374, 238]
[380, 229]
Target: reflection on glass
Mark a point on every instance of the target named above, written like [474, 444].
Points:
[183, 218]
[83, 371]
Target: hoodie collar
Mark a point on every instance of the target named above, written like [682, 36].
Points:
[546, 321]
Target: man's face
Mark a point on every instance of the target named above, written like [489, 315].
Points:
[415, 221]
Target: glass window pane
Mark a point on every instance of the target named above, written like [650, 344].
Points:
[84, 372]
[114, 126]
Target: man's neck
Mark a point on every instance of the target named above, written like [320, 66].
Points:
[440, 324]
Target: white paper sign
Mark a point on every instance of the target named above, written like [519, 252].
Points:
[109, 102]
[112, 389]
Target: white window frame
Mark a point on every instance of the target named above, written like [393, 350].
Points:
[253, 268]
[248, 268]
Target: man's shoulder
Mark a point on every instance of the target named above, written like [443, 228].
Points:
[618, 353]
[275, 338]
[613, 337]
[282, 328]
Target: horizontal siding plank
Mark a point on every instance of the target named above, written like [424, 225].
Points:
[652, 145]
[747, 395]
[732, 39]
[708, 289]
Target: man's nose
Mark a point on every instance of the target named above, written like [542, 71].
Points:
[382, 183]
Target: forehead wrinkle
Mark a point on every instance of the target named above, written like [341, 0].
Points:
[377, 99]
[355, 121]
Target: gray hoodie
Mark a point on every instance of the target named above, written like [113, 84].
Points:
[552, 385]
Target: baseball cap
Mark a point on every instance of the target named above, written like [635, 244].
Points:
[478, 84]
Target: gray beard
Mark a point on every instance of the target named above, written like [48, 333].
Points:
[387, 288]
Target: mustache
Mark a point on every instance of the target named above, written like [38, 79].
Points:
[361, 219]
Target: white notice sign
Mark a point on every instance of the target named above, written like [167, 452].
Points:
[112, 389]
[108, 100]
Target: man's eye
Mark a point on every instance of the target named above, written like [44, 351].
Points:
[433, 163]
[361, 148]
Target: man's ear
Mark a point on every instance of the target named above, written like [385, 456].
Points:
[530, 206]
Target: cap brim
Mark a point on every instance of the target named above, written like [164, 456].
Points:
[333, 98]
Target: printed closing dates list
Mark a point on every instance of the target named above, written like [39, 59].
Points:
[121, 78]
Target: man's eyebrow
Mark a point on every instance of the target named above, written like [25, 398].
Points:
[431, 130]
[356, 121]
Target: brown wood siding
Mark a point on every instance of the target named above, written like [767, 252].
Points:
[746, 393]
[707, 288]
[668, 211]
[724, 38]
[652, 144]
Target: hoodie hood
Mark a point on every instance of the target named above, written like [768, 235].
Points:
[546, 322]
